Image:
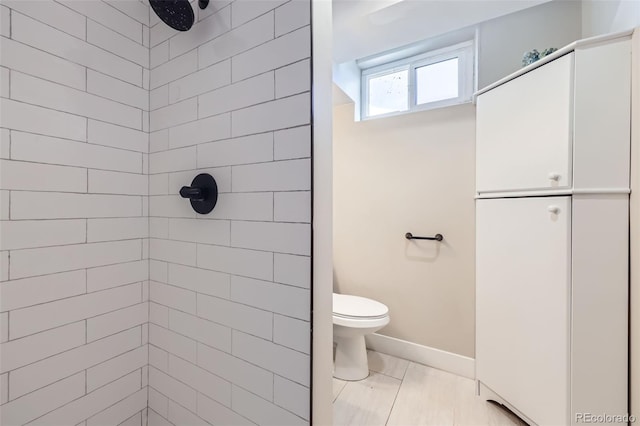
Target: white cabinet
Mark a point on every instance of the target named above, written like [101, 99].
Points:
[552, 235]
[524, 133]
[524, 267]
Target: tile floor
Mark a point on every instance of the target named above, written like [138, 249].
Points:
[402, 393]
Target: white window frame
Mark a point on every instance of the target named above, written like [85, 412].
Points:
[463, 51]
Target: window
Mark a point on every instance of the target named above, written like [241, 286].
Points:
[429, 80]
[388, 92]
[437, 82]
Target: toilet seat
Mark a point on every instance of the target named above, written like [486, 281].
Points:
[361, 322]
[358, 312]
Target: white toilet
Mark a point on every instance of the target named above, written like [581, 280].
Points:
[353, 318]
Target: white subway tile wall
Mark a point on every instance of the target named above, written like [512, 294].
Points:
[230, 297]
[119, 304]
[73, 227]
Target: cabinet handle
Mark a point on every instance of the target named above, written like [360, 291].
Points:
[554, 176]
[553, 209]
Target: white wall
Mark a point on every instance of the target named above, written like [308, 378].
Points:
[504, 40]
[73, 208]
[230, 292]
[409, 173]
[608, 16]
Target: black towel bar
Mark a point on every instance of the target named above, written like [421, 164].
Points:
[437, 237]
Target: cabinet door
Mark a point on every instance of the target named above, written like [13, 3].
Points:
[522, 303]
[524, 130]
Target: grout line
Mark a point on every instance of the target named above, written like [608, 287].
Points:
[253, 104]
[196, 314]
[296, 126]
[86, 42]
[273, 327]
[404, 373]
[78, 320]
[48, 108]
[228, 327]
[18, 160]
[86, 143]
[341, 390]
[88, 18]
[82, 193]
[230, 138]
[66, 219]
[386, 375]
[68, 350]
[132, 18]
[80, 269]
[114, 404]
[206, 396]
[76, 114]
[231, 83]
[78, 295]
[234, 274]
[232, 247]
[394, 402]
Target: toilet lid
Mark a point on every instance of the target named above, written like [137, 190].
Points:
[360, 307]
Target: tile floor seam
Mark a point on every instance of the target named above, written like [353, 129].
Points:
[394, 401]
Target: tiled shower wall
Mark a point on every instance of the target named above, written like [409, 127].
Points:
[74, 229]
[230, 291]
[229, 328]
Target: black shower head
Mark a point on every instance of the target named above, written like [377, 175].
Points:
[178, 14]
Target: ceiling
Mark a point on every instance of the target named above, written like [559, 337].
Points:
[365, 27]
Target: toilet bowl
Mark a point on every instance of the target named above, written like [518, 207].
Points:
[353, 318]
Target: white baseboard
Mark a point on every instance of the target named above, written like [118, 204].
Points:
[436, 358]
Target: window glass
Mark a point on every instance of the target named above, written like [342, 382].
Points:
[389, 93]
[432, 79]
[436, 82]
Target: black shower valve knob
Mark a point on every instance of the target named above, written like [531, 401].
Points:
[202, 194]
